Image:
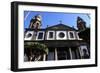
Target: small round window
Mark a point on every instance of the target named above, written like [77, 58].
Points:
[29, 35]
[61, 35]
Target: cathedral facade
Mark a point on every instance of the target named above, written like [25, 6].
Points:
[58, 42]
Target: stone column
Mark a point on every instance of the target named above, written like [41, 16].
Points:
[56, 57]
[70, 53]
[80, 52]
[44, 57]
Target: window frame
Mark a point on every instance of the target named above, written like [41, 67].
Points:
[29, 38]
[74, 38]
[57, 35]
[38, 35]
[48, 33]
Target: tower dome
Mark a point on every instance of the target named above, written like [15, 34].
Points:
[38, 17]
[35, 22]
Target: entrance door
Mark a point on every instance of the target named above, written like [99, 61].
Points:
[61, 53]
[75, 53]
[51, 54]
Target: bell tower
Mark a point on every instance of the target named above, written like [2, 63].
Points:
[81, 24]
[35, 22]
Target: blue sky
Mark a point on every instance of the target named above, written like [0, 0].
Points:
[54, 18]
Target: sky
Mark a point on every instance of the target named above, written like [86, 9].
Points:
[54, 18]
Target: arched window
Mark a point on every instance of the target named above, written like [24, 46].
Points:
[28, 35]
[50, 35]
[40, 35]
[71, 35]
